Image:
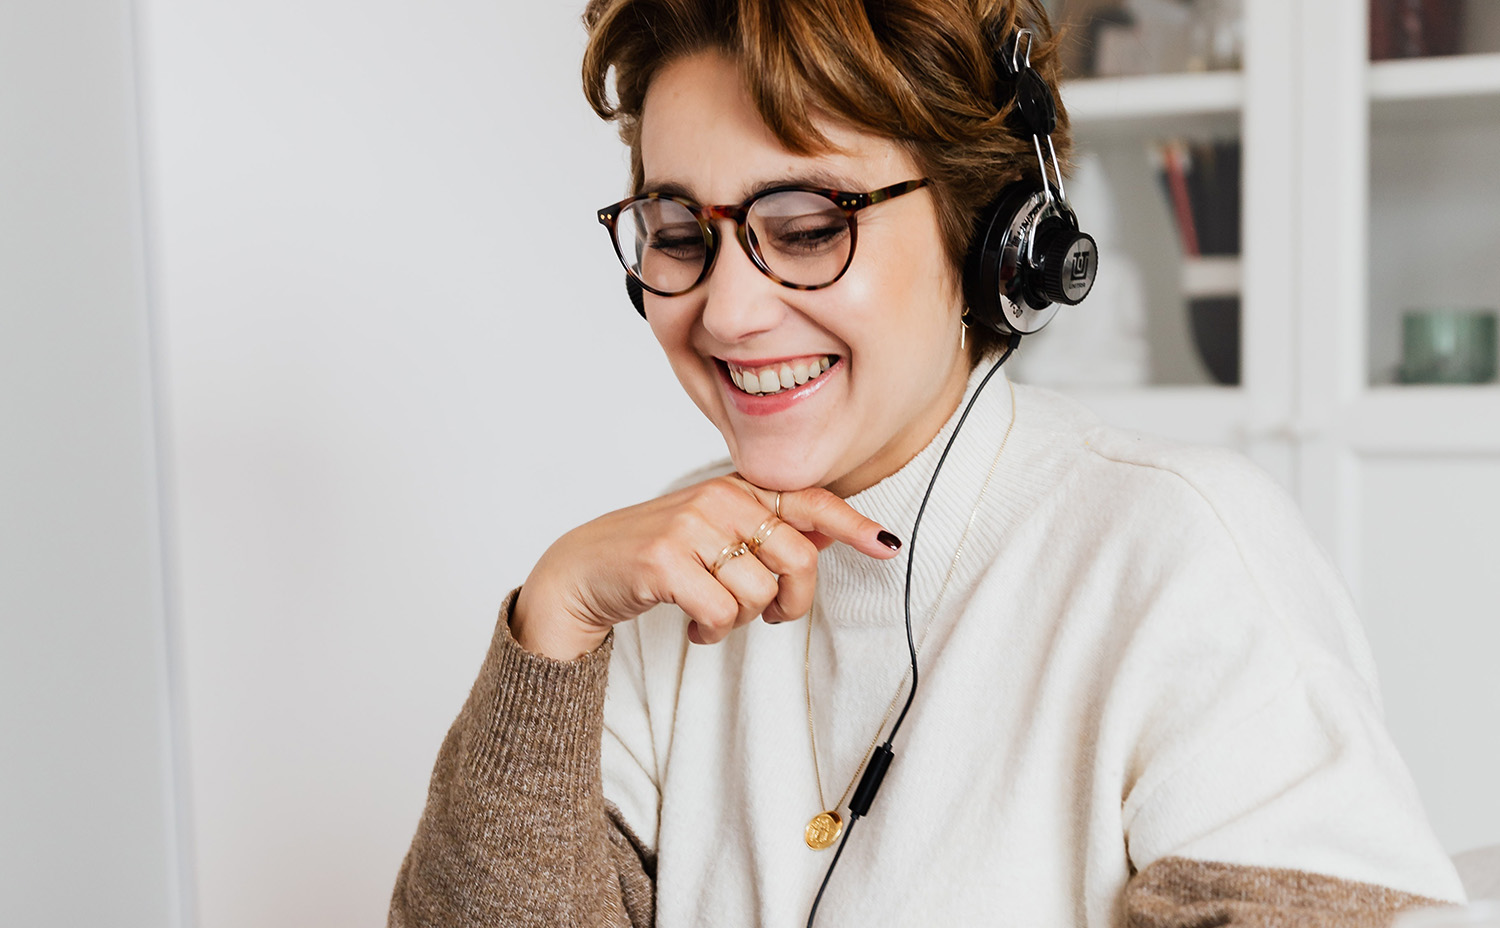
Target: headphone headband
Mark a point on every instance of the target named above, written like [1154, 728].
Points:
[1028, 254]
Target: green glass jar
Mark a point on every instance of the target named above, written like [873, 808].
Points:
[1448, 346]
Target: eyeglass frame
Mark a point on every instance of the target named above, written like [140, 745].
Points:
[847, 202]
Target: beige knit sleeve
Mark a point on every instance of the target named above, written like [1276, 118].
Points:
[1179, 893]
[516, 831]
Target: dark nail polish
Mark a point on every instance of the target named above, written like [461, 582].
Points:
[889, 540]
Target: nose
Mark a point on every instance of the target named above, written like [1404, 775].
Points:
[739, 302]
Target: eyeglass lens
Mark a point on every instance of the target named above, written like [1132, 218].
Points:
[798, 237]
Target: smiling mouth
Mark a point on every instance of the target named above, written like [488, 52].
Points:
[778, 378]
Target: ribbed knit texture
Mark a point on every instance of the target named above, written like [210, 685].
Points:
[516, 831]
[1174, 893]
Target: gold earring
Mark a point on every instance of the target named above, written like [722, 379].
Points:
[963, 330]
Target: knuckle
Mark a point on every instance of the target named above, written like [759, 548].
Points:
[683, 523]
[715, 494]
[770, 585]
[803, 558]
[659, 555]
[722, 616]
[824, 504]
[821, 497]
[764, 591]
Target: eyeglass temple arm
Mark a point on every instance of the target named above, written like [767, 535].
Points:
[894, 190]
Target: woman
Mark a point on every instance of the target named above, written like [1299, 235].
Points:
[1143, 695]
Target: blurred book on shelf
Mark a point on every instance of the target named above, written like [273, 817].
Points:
[1416, 28]
[1201, 181]
[1120, 38]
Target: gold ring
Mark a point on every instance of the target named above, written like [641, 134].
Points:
[762, 533]
[777, 511]
[730, 552]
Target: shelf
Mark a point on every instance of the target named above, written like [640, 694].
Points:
[1211, 414]
[1436, 90]
[1212, 276]
[1156, 105]
[1435, 78]
[1418, 420]
[1424, 419]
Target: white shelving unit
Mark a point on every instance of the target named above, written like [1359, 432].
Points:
[1367, 189]
[1436, 91]
[1117, 119]
[1155, 103]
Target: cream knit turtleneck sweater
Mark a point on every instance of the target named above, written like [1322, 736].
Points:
[1141, 659]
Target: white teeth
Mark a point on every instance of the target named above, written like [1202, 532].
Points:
[777, 379]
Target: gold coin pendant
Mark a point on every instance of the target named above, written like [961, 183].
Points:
[823, 830]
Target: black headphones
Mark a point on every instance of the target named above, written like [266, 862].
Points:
[636, 292]
[1028, 256]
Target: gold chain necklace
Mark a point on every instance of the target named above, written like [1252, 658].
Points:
[825, 827]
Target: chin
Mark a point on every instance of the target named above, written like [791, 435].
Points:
[778, 472]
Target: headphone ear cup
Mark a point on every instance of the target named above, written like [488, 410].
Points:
[985, 274]
[637, 295]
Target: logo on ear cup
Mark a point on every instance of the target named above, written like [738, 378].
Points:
[1079, 264]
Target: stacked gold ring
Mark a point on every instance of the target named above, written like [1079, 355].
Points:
[762, 533]
[730, 552]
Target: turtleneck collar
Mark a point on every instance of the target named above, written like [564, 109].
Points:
[859, 591]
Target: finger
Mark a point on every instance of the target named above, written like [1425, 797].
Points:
[792, 556]
[752, 584]
[712, 608]
[817, 510]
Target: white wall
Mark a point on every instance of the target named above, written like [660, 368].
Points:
[395, 362]
[1432, 613]
[401, 363]
[87, 818]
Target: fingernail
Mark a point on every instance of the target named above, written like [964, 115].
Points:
[889, 540]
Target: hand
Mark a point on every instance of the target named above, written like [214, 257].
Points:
[618, 566]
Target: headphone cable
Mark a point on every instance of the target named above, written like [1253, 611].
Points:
[880, 761]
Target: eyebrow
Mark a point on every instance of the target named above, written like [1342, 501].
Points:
[815, 178]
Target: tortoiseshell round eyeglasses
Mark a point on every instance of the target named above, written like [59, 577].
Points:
[800, 237]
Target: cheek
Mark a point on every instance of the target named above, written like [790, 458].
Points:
[672, 326]
[902, 304]
[669, 326]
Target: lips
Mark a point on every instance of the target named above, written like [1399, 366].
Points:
[778, 377]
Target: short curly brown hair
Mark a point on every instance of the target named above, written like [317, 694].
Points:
[918, 72]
